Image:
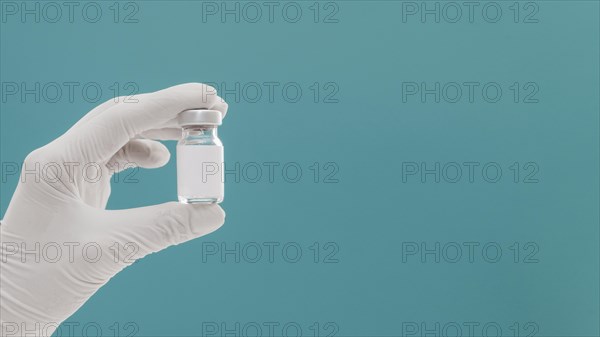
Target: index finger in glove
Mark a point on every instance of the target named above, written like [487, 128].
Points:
[101, 137]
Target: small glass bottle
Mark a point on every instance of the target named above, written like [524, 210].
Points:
[200, 177]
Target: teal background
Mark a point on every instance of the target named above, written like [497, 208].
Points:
[369, 133]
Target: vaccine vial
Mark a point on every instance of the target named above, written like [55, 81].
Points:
[200, 177]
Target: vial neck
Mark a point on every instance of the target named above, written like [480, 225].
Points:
[201, 131]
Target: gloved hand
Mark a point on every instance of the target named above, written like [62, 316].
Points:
[64, 212]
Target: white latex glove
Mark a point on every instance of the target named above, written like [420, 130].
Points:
[69, 212]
